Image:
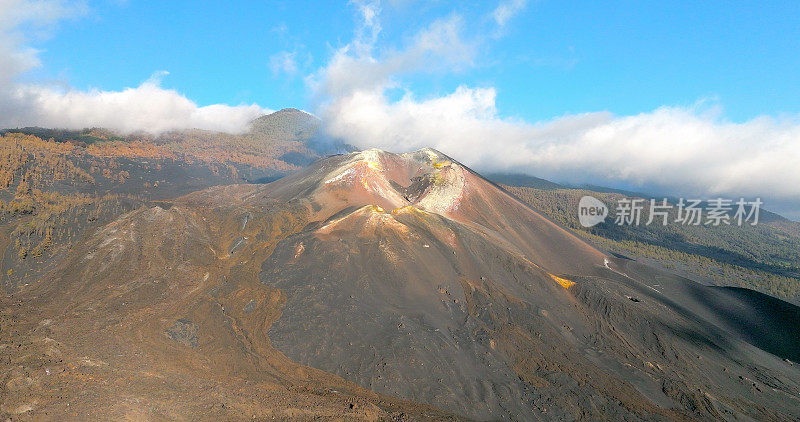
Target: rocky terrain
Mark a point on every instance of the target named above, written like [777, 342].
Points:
[373, 285]
[58, 185]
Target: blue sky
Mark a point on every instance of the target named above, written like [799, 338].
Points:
[553, 58]
[684, 98]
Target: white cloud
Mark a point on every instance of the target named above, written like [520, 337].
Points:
[675, 150]
[369, 27]
[357, 66]
[678, 149]
[36, 17]
[38, 13]
[506, 10]
[147, 107]
[283, 62]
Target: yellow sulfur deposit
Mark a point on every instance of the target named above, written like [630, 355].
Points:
[407, 209]
[562, 281]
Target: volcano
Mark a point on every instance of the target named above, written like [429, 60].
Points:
[377, 285]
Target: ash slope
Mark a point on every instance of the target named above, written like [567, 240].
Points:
[370, 278]
[419, 279]
[160, 315]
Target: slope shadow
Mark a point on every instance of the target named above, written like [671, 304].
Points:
[772, 324]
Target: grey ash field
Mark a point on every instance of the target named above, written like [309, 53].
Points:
[377, 286]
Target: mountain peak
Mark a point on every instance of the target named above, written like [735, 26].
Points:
[429, 181]
[286, 124]
[426, 179]
[292, 110]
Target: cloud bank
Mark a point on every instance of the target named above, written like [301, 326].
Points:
[675, 150]
[148, 107]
